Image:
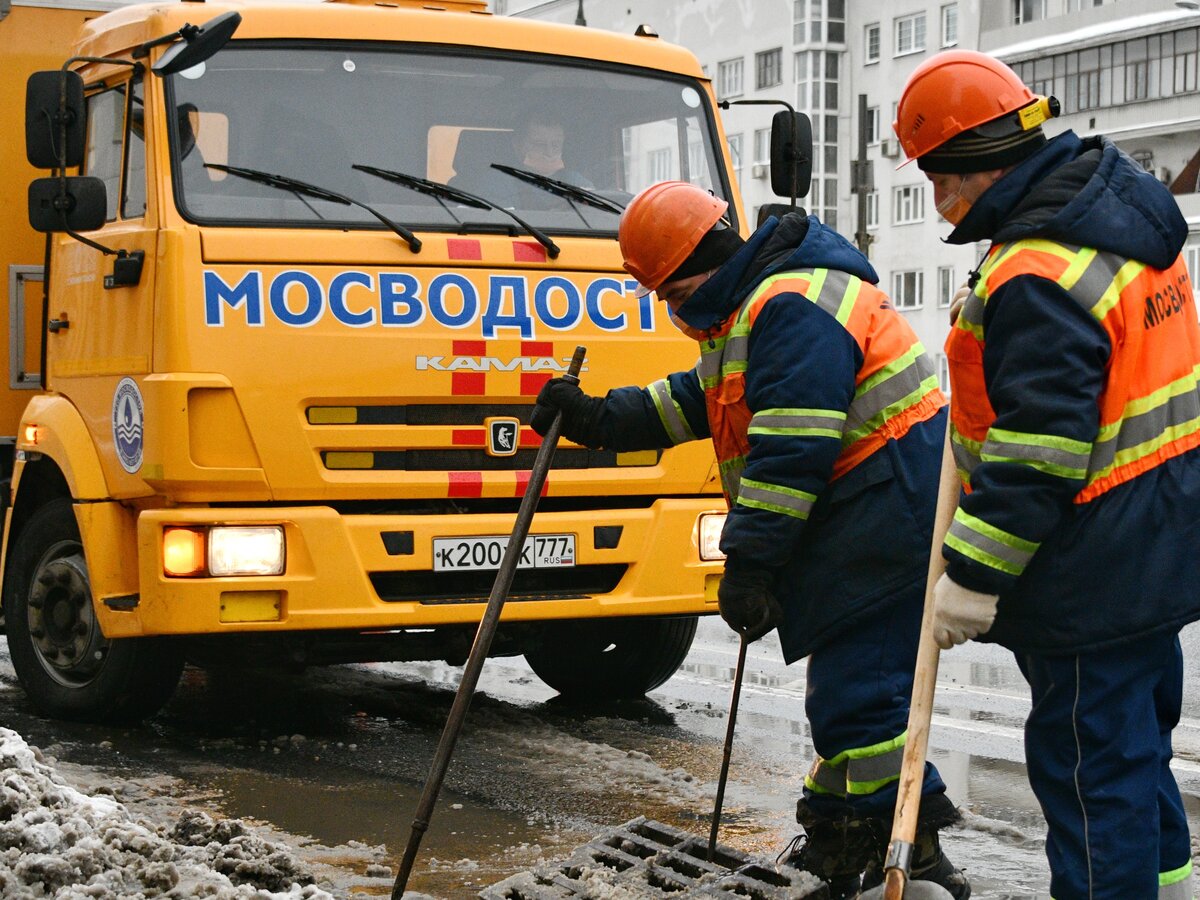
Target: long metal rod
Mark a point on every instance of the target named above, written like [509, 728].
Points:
[733, 705]
[483, 639]
[920, 712]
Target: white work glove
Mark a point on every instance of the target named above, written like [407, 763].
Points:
[957, 301]
[959, 613]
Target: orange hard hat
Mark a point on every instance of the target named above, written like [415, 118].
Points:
[661, 227]
[957, 90]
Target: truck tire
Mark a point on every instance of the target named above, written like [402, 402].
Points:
[599, 659]
[68, 669]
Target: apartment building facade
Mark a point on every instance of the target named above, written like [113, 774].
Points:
[1124, 68]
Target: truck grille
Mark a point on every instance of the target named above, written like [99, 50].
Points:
[463, 460]
[457, 414]
[463, 438]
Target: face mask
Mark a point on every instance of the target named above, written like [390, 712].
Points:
[694, 333]
[954, 206]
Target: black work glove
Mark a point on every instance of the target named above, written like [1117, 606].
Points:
[746, 602]
[582, 415]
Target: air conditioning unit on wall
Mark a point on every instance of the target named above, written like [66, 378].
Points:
[1163, 174]
[889, 148]
[759, 170]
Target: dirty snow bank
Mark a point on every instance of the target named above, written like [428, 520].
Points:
[58, 842]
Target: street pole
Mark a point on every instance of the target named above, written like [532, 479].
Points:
[579, 19]
[863, 178]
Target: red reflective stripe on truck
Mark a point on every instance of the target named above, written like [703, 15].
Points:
[523, 482]
[463, 248]
[464, 437]
[468, 383]
[528, 251]
[465, 484]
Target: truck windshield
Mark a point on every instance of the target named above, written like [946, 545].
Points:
[315, 112]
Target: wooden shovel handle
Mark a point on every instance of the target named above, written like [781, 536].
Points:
[912, 769]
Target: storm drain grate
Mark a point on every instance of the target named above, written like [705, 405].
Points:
[648, 860]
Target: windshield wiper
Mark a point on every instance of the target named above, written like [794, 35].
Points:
[441, 192]
[296, 186]
[562, 188]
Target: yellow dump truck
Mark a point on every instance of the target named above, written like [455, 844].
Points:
[283, 282]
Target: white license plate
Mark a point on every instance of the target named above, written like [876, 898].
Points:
[541, 551]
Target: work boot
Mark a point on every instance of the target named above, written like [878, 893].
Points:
[929, 861]
[836, 850]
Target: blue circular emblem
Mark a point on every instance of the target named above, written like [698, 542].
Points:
[127, 422]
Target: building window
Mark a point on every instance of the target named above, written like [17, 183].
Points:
[1192, 257]
[872, 124]
[873, 209]
[762, 146]
[910, 34]
[871, 42]
[907, 289]
[945, 285]
[1028, 11]
[1144, 158]
[950, 25]
[729, 78]
[943, 373]
[1077, 5]
[817, 94]
[735, 154]
[908, 204]
[1145, 68]
[660, 165]
[817, 83]
[819, 21]
[1137, 70]
[836, 25]
[768, 68]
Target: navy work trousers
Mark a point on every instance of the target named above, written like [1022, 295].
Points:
[1097, 746]
[858, 691]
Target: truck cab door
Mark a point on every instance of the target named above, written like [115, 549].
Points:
[101, 332]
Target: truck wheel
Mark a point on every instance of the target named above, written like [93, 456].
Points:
[68, 668]
[606, 658]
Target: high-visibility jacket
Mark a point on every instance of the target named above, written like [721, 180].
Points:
[824, 412]
[894, 388]
[1149, 406]
[1076, 426]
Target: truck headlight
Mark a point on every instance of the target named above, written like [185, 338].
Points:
[711, 526]
[246, 550]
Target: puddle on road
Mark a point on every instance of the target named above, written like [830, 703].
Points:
[466, 847]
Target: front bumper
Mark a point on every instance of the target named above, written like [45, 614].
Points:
[353, 572]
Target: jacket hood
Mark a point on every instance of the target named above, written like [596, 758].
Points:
[1085, 192]
[779, 245]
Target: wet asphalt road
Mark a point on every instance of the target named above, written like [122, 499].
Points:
[337, 757]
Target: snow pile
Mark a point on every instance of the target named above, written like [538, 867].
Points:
[58, 842]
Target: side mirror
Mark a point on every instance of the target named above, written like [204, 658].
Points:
[46, 114]
[197, 44]
[791, 154]
[81, 206]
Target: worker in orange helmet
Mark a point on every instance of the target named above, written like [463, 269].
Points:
[1075, 422]
[827, 421]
